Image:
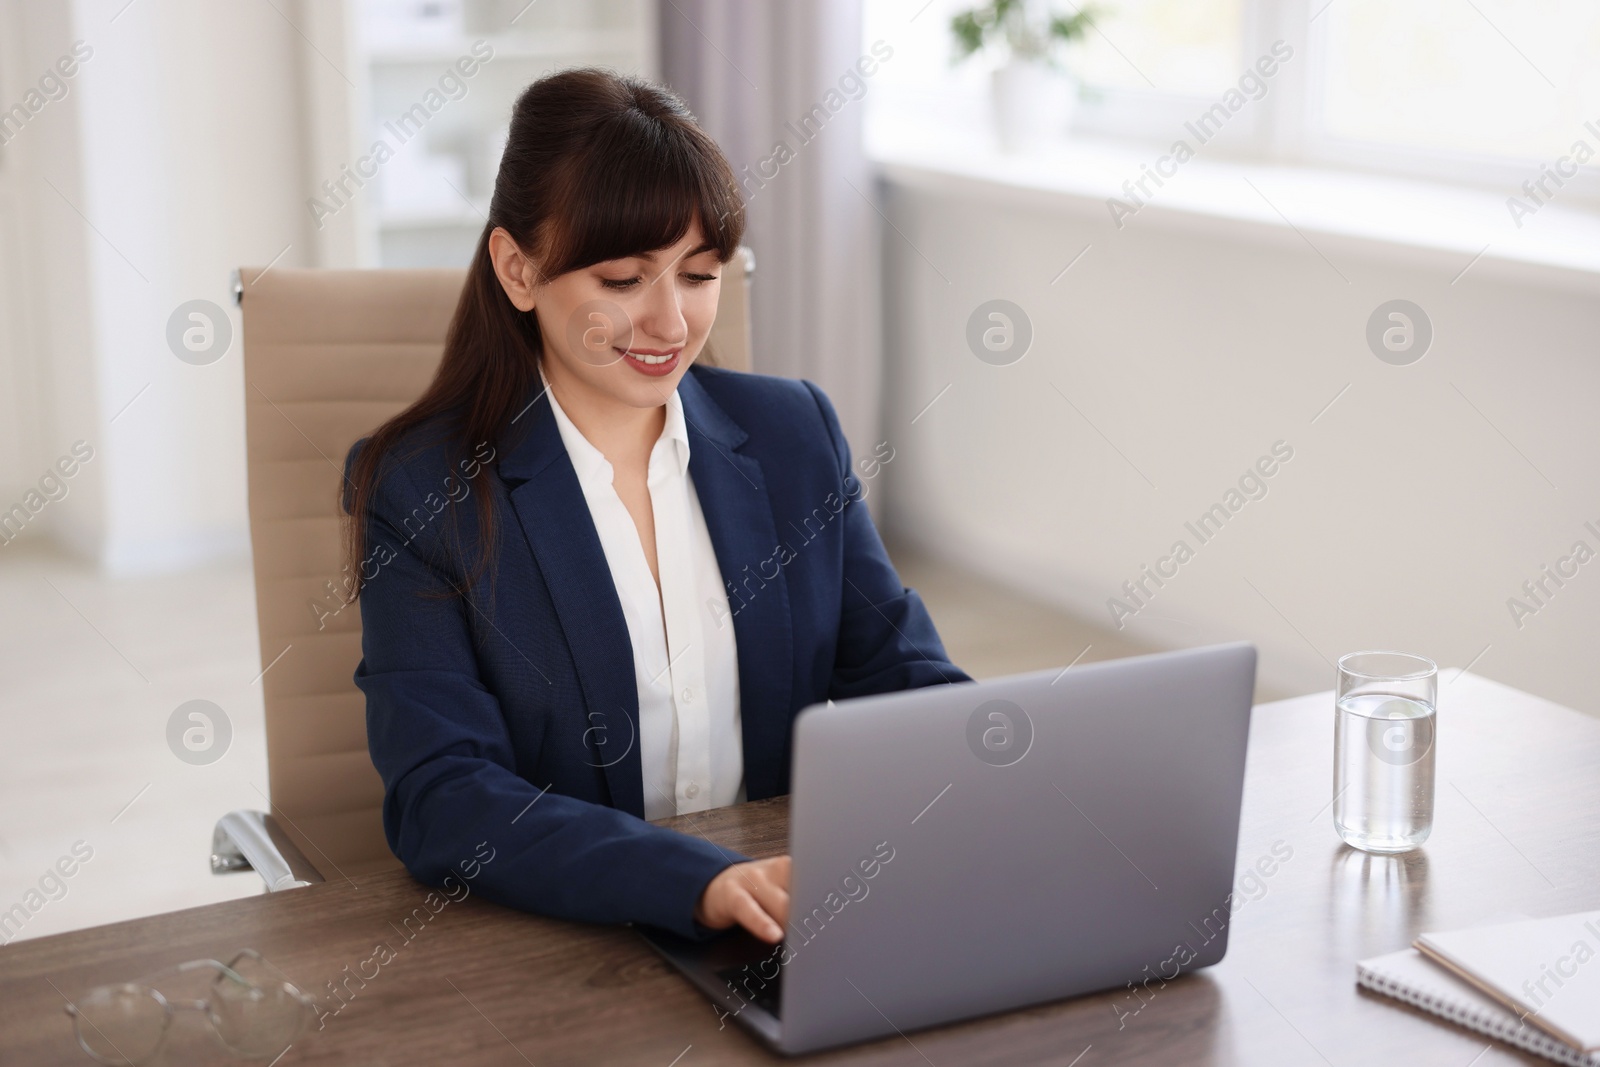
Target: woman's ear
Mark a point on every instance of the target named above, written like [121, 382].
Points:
[518, 276]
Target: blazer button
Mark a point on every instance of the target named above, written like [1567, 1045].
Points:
[687, 695]
[693, 791]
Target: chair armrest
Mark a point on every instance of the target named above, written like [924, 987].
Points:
[253, 840]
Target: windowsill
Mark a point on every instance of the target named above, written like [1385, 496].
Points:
[1467, 232]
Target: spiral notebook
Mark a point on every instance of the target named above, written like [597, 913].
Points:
[1542, 969]
[1411, 977]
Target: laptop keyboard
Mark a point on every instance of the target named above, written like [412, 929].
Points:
[745, 984]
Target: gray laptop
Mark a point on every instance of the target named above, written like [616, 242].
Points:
[967, 849]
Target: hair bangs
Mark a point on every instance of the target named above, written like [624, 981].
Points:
[640, 189]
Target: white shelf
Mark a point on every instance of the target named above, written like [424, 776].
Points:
[398, 62]
[466, 218]
[581, 46]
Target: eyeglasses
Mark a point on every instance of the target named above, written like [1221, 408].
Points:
[251, 1008]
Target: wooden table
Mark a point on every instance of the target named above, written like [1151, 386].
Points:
[1517, 830]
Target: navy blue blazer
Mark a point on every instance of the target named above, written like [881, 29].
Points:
[509, 717]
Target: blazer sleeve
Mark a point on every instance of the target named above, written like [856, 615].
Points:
[887, 640]
[452, 794]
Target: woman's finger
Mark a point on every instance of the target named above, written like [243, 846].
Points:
[772, 896]
[753, 917]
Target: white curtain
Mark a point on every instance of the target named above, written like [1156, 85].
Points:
[752, 70]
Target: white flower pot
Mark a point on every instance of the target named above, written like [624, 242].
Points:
[1033, 104]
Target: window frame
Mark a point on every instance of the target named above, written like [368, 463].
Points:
[1284, 126]
[1315, 146]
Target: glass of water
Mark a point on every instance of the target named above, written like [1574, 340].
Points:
[1383, 750]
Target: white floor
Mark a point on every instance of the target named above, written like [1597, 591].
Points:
[92, 668]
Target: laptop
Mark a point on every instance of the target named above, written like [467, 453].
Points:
[960, 850]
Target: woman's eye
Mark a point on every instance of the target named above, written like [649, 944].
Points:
[629, 283]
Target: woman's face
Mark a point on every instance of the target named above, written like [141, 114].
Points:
[628, 329]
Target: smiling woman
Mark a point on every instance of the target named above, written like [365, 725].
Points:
[555, 663]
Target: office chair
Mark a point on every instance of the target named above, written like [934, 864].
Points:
[328, 356]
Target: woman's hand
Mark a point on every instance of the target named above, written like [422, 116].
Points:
[754, 895]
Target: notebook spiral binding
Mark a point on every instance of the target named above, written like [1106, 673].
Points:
[1498, 1026]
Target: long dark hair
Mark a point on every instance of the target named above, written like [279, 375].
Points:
[597, 166]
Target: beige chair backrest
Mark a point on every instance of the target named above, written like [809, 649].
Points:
[328, 356]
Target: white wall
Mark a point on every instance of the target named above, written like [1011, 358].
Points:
[177, 155]
[1404, 520]
[48, 399]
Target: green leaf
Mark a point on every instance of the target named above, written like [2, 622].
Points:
[969, 33]
[1007, 20]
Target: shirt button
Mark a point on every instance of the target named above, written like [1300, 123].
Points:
[693, 790]
[688, 695]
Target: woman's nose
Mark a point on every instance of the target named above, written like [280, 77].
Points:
[658, 319]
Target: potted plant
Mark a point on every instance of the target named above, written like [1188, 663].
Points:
[1032, 91]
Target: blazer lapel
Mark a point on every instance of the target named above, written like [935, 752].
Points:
[732, 489]
[554, 515]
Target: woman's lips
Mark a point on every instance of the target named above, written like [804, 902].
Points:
[654, 363]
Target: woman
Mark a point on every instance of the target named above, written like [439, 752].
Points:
[665, 562]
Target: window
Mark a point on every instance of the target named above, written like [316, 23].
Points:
[1485, 92]
[1486, 78]
[1187, 47]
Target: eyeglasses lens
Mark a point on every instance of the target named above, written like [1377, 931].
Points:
[120, 1024]
[258, 1020]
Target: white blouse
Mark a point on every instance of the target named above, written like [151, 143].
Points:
[685, 662]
